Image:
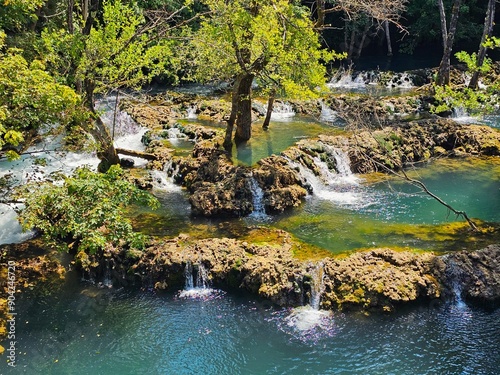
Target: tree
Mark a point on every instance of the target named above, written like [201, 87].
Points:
[360, 16]
[448, 35]
[16, 13]
[483, 46]
[112, 49]
[30, 98]
[272, 41]
[86, 212]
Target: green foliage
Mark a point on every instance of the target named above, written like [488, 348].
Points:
[29, 98]
[15, 13]
[475, 101]
[273, 40]
[117, 54]
[86, 211]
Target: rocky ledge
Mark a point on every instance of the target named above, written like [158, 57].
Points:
[372, 280]
[218, 186]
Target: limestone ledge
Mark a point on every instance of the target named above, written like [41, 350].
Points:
[372, 280]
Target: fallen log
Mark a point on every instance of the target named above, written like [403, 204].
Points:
[137, 154]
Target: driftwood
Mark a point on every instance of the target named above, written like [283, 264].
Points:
[137, 154]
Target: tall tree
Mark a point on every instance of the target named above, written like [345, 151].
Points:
[271, 41]
[113, 48]
[483, 46]
[448, 33]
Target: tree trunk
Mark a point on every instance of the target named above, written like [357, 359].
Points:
[320, 14]
[443, 77]
[444, 28]
[388, 38]
[244, 117]
[228, 139]
[69, 16]
[351, 44]
[106, 150]
[270, 103]
[363, 39]
[487, 32]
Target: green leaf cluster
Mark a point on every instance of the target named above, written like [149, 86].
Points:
[86, 212]
[15, 13]
[475, 101]
[117, 54]
[29, 99]
[274, 40]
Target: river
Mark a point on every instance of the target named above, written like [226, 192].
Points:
[83, 328]
[87, 330]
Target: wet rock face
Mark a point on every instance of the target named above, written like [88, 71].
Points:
[475, 275]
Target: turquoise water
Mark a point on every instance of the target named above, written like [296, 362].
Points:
[86, 330]
[280, 135]
[365, 214]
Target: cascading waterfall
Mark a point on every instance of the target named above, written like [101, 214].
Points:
[282, 111]
[317, 286]
[196, 281]
[191, 113]
[164, 180]
[460, 115]
[339, 186]
[309, 318]
[259, 210]
[327, 114]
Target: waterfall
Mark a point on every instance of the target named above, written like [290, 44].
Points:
[282, 111]
[346, 80]
[454, 275]
[460, 115]
[342, 165]
[310, 319]
[259, 210]
[196, 281]
[400, 81]
[340, 186]
[327, 114]
[106, 281]
[164, 180]
[191, 112]
[317, 286]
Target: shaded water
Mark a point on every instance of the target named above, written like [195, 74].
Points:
[85, 330]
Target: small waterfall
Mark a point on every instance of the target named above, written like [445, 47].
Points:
[176, 136]
[282, 111]
[164, 180]
[106, 281]
[317, 286]
[327, 114]
[196, 281]
[309, 320]
[191, 112]
[342, 164]
[340, 187]
[259, 210]
[400, 81]
[460, 115]
[454, 275]
[347, 81]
